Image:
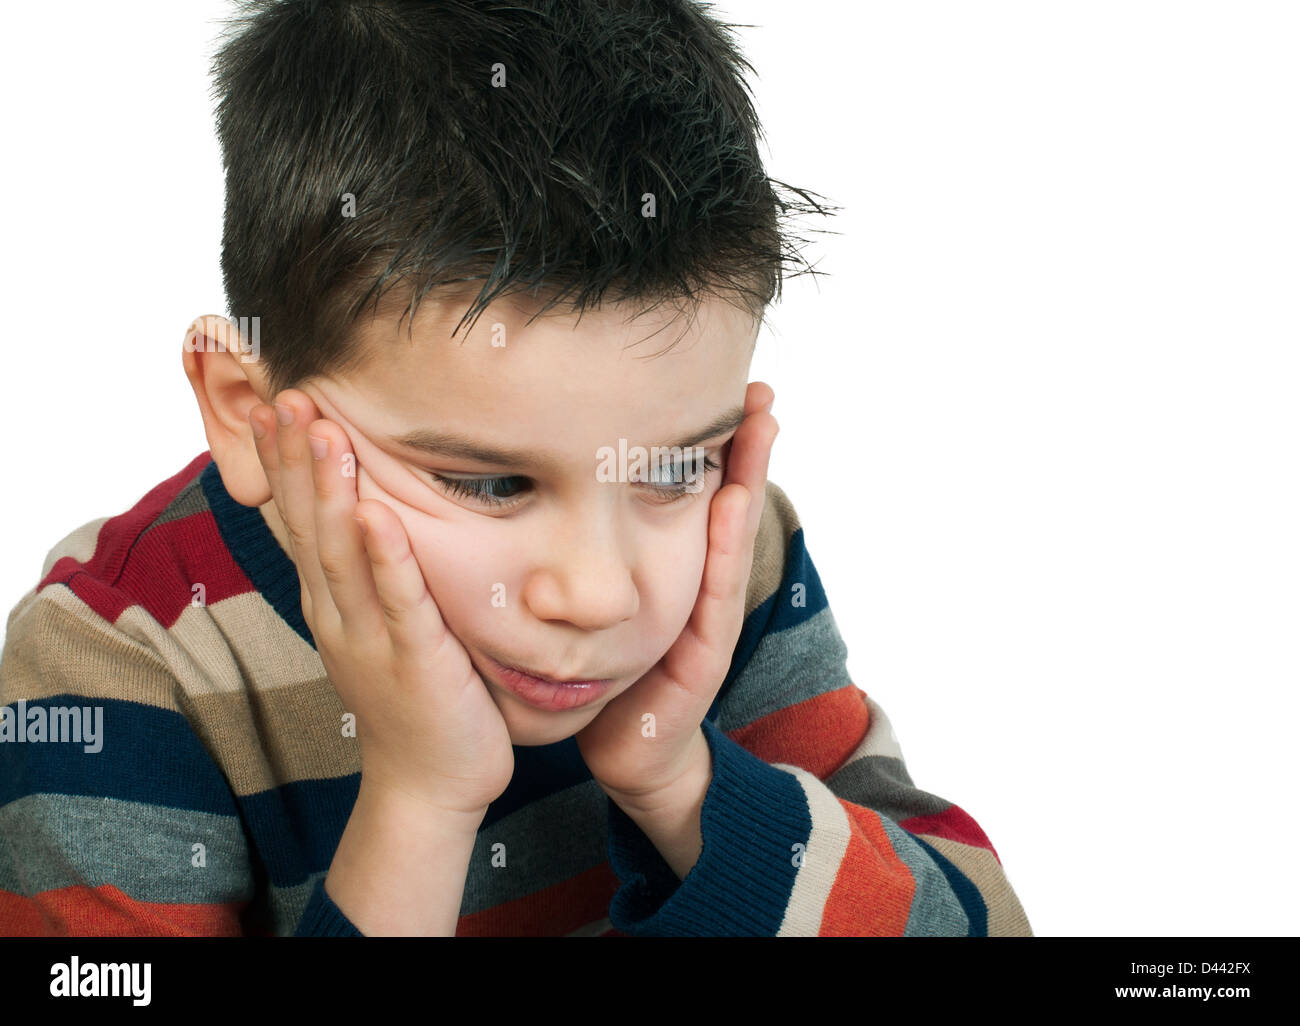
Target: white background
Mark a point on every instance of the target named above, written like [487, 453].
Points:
[1035, 422]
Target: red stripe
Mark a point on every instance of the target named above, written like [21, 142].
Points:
[118, 534]
[552, 911]
[172, 558]
[107, 912]
[954, 824]
[156, 568]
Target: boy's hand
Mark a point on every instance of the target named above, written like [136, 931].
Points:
[427, 725]
[639, 772]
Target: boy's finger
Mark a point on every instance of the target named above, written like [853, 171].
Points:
[339, 544]
[262, 419]
[758, 396]
[748, 459]
[718, 615]
[415, 624]
[298, 491]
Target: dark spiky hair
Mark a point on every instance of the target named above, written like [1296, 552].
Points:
[533, 184]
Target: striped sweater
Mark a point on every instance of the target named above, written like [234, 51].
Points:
[172, 762]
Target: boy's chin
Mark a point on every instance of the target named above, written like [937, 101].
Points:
[530, 728]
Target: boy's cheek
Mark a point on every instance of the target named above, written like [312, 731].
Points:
[452, 569]
[422, 529]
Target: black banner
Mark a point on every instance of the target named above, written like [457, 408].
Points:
[1232, 976]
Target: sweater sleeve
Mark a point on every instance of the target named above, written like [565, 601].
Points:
[114, 818]
[811, 825]
[323, 918]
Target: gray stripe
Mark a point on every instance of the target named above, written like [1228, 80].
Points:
[49, 841]
[787, 667]
[189, 500]
[547, 842]
[278, 910]
[935, 912]
[882, 783]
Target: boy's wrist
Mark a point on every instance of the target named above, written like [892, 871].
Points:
[400, 866]
[671, 819]
[397, 803]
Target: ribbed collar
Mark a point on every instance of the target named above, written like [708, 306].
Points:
[257, 551]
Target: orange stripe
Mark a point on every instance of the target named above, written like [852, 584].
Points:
[107, 912]
[873, 889]
[817, 734]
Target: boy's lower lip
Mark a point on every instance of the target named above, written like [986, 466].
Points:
[547, 694]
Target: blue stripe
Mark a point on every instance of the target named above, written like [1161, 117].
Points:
[540, 771]
[297, 826]
[320, 808]
[148, 755]
[777, 612]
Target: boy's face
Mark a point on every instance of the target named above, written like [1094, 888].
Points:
[574, 576]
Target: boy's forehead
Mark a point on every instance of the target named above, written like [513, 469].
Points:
[555, 385]
[513, 344]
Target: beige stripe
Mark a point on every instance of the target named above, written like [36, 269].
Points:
[259, 738]
[56, 644]
[266, 739]
[233, 646]
[270, 653]
[195, 654]
[827, 844]
[79, 545]
[880, 738]
[775, 529]
[1006, 916]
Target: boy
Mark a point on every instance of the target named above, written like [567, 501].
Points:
[527, 698]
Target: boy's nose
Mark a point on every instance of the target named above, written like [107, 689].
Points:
[584, 580]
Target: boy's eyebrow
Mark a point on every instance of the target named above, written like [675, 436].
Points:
[442, 443]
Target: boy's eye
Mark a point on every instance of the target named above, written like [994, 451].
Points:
[673, 483]
[499, 492]
[486, 490]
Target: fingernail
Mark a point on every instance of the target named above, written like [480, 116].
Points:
[258, 431]
[284, 414]
[319, 446]
[364, 526]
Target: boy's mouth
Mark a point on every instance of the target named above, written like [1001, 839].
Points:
[545, 692]
[546, 678]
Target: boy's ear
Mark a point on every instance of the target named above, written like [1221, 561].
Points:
[226, 389]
